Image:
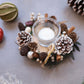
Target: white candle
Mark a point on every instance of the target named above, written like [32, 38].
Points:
[46, 33]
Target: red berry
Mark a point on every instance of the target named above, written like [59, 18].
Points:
[1, 34]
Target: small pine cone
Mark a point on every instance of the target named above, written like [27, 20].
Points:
[35, 55]
[42, 56]
[32, 46]
[24, 50]
[21, 26]
[24, 38]
[73, 36]
[77, 6]
[64, 28]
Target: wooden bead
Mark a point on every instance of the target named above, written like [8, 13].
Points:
[58, 58]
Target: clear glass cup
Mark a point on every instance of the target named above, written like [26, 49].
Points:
[48, 23]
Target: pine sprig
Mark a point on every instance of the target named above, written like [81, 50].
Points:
[78, 43]
[70, 54]
[76, 47]
[83, 83]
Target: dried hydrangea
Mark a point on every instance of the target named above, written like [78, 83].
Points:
[9, 79]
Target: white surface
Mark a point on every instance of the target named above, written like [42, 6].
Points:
[68, 72]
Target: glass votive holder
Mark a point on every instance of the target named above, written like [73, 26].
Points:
[46, 31]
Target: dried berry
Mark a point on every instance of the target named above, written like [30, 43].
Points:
[35, 55]
[42, 56]
[53, 17]
[32, 46]
[21, 26]
[24, 50]
[1, 34]
[73, 36]
[64, 28]
[29, 23]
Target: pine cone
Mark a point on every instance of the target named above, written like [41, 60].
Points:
[64, 28]
[24, 50]
[73, 36]
[64, 45]
[32, 46]
[77, 5]
[42, 56]
[24, 38]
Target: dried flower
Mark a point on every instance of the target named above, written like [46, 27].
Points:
[8, 78]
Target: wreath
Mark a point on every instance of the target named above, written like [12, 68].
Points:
[64, 46]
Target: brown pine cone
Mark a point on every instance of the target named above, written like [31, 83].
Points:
[77, 6]
[64, 28]
[24, 50]
[21, 26]
[73, 36]
[35, 55]
[42, 56]
[32, 46]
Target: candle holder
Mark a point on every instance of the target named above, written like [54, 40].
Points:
[49, 36]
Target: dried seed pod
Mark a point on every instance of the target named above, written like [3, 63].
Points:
[73, 36]
[29, 23]
[42, 56]
[71, 29]
[64, 28]
[58, 58]
[35, 55]
[53, 17]
[32, 46]
[46, 16]
[24, 50]
[21, 26]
